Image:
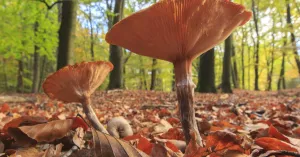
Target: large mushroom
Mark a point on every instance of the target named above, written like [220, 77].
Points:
[76, 83]
[178, 31]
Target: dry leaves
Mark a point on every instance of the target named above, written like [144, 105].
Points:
[232, 125]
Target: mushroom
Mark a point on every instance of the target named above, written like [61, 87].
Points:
[76, 83]
[178, 31]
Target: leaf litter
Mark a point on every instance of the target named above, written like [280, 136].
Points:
[240, 124]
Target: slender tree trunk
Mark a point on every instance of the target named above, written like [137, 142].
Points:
[42, 71]
[226, 86]
[243, 59]
[66, 33]
[206, 73]
[173, 80]
[143, 75]
[36, 64]
[91, 35]
[153, 74]
[256, 50]
[293, 38]
[235, 75]
[20, 85]
[281, 80]
[116, 53]
[270, 72]
[249, 69]
[5, 75]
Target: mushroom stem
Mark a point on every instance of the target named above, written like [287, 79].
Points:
[91, 116]
[185, 95]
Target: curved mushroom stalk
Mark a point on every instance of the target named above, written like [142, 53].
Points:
[185, 94]
[76, 83]
[91, 116]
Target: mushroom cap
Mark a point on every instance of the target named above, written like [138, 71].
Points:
[74, 83]
[175, 29]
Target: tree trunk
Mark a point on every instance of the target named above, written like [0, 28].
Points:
[293, 38]
[5, 75]
[173, 81]
[243, 59]
[235, 75]
[91, 35]
[271, 63]
[42, 71]
[249, 69]
[20, 85]
[281, 80]
[226, 86]
[116, 53]
[206, 73]
[256, 50]
[66, 33]
[36, 64]
[153, 74]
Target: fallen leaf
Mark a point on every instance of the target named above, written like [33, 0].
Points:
[173, 133]
[24, 121]
[108, 146]
[47, 132]
[141, 143]
[273, 132]
[269, 143]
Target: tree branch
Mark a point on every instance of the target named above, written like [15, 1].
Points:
[52, 5]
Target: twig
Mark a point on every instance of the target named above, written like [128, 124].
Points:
[50, 6]
[280, 152]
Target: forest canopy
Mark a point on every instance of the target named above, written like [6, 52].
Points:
[264, 54]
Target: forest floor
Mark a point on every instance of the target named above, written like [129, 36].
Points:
[245, 123]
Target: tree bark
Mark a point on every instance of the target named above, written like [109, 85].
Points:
[4, 74]
[235, 76]
[91, 35]
[116, 53]
[243, 59]
[153, 74]
[36, 64]
[42, 71]
[66, 33]
[281, 80]
[173, 80]
[271, 62]
[226, 86]
[256, 50]
[20, 85]
[206, 73]
[293, 38]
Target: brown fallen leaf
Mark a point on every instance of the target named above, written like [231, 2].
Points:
[223, 140]
[162, 150]
[269, 143]
[173, 133]
[273, 132]
[48, 132]
[24, 121]
[109, 146]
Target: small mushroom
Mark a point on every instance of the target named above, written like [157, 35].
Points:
[76, 83]
[178, 31]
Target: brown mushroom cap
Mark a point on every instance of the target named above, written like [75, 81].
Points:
[176, 29]
[73, 83]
